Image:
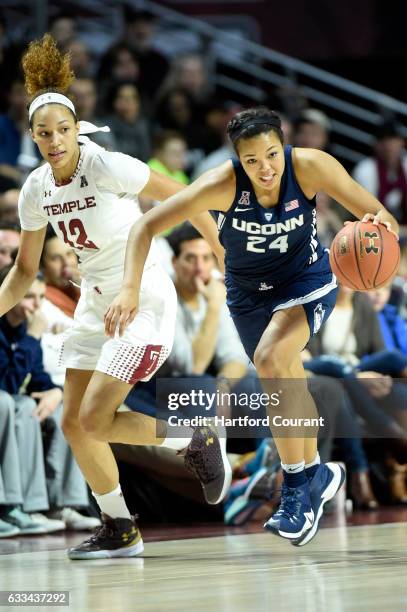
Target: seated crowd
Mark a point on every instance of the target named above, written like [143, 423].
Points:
[357, 365]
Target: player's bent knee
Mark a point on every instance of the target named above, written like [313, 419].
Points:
[71, 427]
[91, 423]
[271, 361]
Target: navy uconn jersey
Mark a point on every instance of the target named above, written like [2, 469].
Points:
[268, 247]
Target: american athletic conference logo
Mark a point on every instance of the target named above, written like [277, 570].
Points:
[244, 198]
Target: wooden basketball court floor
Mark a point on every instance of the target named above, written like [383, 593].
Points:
[346, 568]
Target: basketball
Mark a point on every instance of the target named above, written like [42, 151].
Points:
[364, 256]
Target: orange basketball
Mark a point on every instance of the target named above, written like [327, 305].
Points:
[364, 256]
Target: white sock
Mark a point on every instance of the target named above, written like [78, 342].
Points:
[113, 503]
[293, 468]
[316, 461]
[183, 437]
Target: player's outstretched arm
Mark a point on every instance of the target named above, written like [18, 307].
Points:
[24, 271]
[213, 190]
[161, 187]
[319, 171]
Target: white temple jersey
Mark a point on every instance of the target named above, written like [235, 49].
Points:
[93, 213]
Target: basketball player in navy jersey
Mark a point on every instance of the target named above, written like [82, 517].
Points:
[280, 287]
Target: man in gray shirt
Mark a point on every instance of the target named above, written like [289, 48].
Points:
[206, 337]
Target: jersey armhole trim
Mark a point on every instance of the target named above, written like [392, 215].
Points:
[235, 165]
[311, 202]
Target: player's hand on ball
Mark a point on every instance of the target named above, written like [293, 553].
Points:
[121, 312]
[376, 219]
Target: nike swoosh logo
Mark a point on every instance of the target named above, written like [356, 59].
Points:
[242, 209]
[309, 518]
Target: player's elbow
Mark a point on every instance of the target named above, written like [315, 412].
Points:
[142, 231]
[26, 269]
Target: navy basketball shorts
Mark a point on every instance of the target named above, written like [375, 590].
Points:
[252, 311]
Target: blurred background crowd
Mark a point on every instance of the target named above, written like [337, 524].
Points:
[170, 110]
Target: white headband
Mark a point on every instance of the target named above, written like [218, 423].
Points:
[85, 127]
[50, 98]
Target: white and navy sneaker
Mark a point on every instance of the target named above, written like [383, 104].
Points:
[295, 516]
[324, 485]
[206, 458]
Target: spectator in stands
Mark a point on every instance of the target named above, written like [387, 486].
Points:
[22, 371]
[81, 60]
[85, 98]
[220, 155]
[287, 128]
[10, 54]
[17, 150]
[176, 110]
[215, 119]
[351, 343]
[139, 36]
[59, 266]
[129, 126]
[169, 155]
[9, 206]
[118, 65]
[392, 325]
[205, 332]
[329, 221]
[385, 174]
[311, 129]
[23, 494]
[63, 29]
[189, 72]
[289, 98]
[9, 243]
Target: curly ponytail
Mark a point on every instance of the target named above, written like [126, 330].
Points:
[46, 68]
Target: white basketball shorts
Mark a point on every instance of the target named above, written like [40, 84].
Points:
[146, 342]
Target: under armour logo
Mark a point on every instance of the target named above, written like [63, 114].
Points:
[47, 193]
[245, 198]
[84, 182]
[371, 246]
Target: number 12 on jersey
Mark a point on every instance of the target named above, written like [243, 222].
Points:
[254, 242]
[78, 234]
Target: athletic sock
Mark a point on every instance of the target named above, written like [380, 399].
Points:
[183, 437]
[311, 468]
[294, 474]
[113, 504]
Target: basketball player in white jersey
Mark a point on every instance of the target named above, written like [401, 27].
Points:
[89, 196]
